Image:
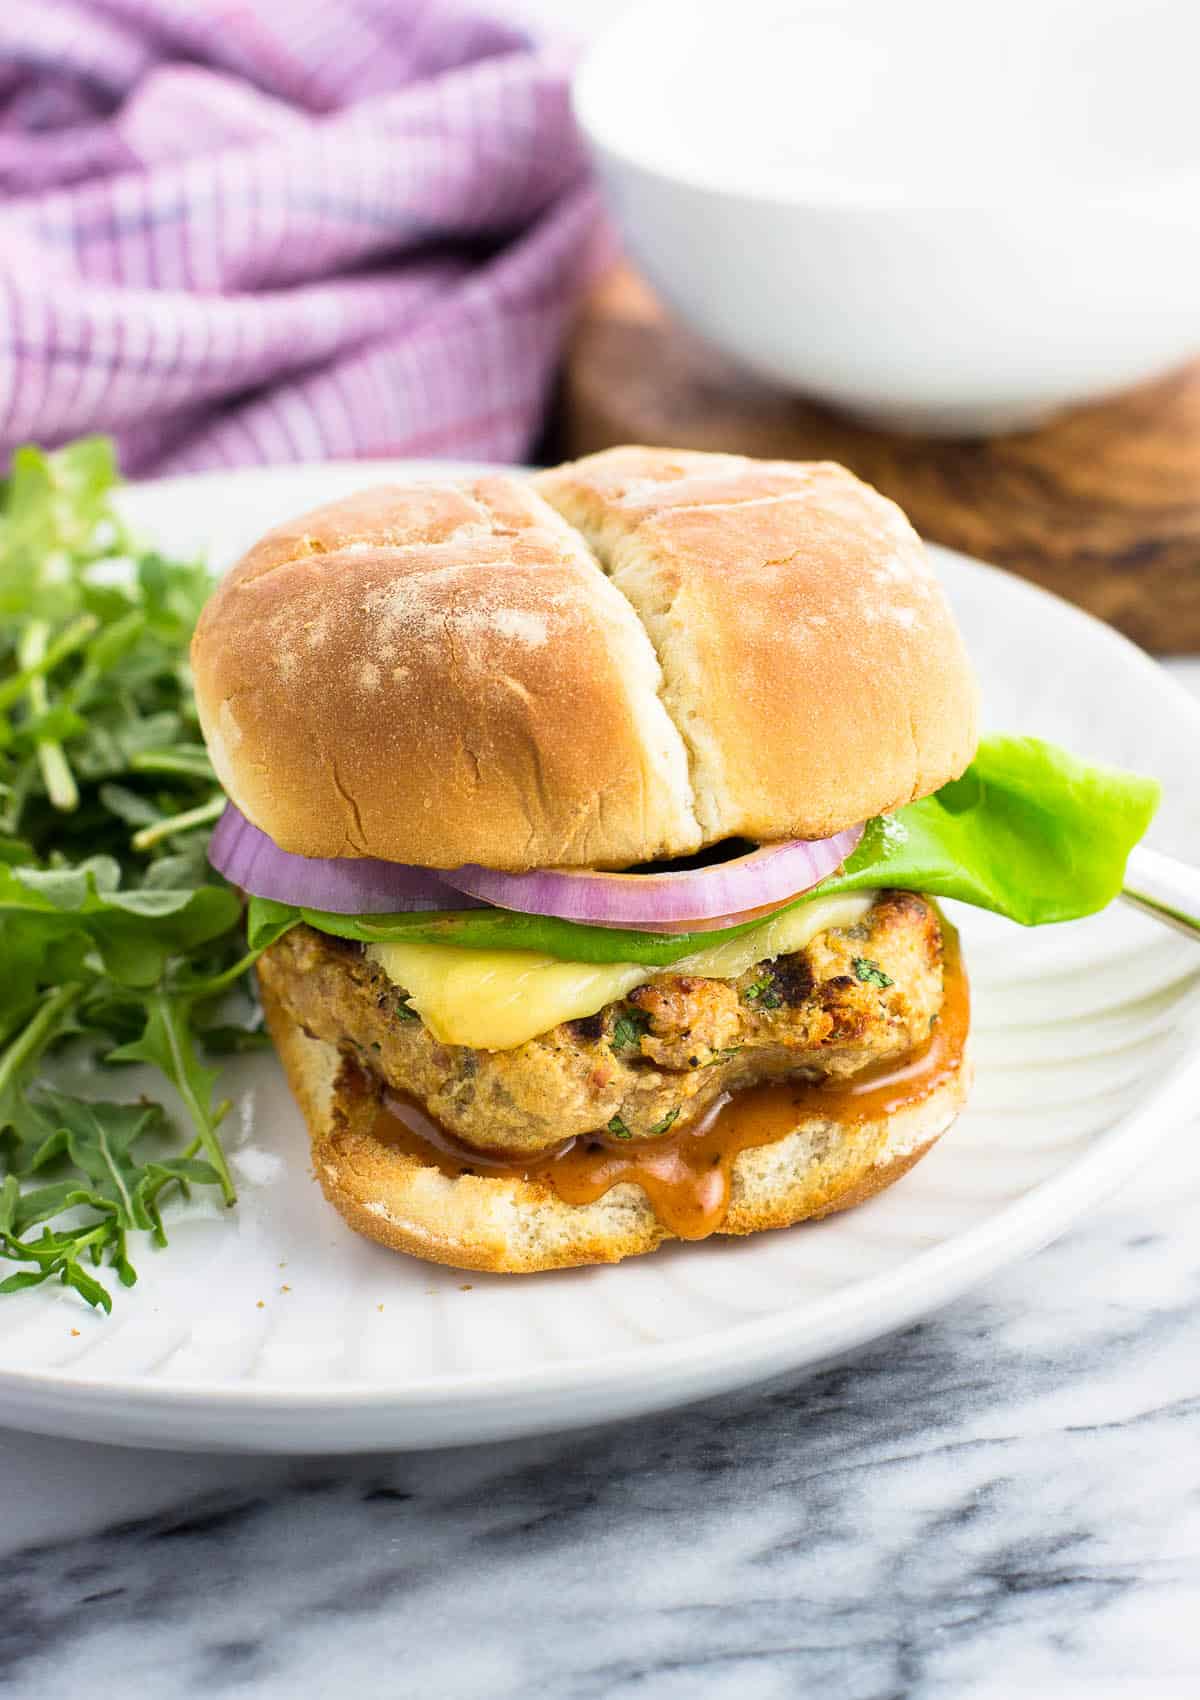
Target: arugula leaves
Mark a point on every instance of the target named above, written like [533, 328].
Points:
[114, 931]
[111, 1191]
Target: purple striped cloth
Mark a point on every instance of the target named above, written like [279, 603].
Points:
[268, 230]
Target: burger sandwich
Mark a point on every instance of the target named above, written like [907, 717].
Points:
[593, 829]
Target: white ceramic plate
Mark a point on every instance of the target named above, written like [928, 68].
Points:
[274, 1328]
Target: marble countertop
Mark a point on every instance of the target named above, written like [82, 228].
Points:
[1002, 1502]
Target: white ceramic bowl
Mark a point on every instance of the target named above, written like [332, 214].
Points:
[943, 217]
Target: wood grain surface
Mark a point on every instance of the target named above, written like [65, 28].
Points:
[1101, 505]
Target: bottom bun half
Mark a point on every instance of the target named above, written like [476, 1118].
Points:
[509, 1225]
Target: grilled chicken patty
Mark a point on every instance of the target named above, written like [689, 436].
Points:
[651, 1061]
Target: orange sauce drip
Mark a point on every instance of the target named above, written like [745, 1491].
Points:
[687, 1176]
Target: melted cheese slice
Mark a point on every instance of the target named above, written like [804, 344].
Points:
[493, 1000]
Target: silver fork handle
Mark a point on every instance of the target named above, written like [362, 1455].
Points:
[1158, 885]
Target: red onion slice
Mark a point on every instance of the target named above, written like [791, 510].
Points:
[695, 899]
[762, 879]
[343, 885]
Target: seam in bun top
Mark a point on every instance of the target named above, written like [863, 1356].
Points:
[627, 657]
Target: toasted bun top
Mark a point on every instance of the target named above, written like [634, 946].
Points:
[628, 657]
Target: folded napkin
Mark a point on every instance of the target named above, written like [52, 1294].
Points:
[267, 230]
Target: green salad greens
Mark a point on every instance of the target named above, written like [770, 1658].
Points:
[118, 940]
[113, 929]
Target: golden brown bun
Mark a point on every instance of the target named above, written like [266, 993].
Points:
[631, 656]
[439, 675]
[511, 1226]
[810, 659]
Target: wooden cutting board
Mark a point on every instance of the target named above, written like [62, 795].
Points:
[1102, 505]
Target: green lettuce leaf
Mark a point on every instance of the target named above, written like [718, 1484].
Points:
[1029, 831]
